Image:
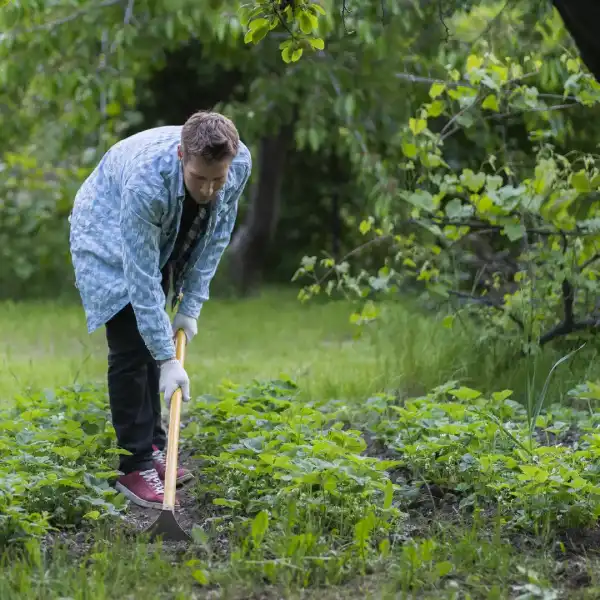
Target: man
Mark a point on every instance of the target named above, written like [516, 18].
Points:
[157, 211]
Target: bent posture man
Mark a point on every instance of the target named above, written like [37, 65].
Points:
[158, 211]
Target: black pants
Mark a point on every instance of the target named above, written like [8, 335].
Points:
[133, 390]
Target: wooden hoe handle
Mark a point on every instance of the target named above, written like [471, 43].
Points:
[174, 426]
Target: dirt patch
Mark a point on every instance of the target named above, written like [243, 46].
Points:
[579, 541]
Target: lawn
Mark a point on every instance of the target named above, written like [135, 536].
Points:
[327, 465]
[47, 345]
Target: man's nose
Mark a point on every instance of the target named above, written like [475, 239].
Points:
[207, 189]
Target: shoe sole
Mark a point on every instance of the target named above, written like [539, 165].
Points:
[136, 499]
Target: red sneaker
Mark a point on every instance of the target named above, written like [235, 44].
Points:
[160, 464]
[143, 488]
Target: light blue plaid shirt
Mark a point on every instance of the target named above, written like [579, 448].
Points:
[124, 223]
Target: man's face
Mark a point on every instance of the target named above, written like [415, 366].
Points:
[203, 180]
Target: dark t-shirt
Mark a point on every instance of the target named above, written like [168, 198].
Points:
[189, 213]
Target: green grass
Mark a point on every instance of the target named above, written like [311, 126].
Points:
[46, 345]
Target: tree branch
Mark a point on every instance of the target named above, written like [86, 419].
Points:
[478, 225]
[488, 302]
[561, 329]
[589, 262]
[353, 252]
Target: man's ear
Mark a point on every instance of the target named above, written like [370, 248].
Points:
[179, 152]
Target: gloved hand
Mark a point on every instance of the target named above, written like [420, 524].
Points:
[189, 326]
[173, 376]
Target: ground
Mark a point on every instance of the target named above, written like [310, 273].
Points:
[296, 432]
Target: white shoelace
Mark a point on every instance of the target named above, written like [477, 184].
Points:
[153, 480]
[159, 455]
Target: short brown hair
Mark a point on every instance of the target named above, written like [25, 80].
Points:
[210, 135]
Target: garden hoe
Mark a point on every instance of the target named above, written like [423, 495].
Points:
[166, 526]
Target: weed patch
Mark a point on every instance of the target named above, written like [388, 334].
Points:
[537, 475]
[55, 450]
[293, 495]
[296, 489]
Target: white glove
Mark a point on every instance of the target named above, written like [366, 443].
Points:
[173, 376]
[189, 326]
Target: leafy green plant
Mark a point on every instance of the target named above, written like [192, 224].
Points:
[516, 246]
[483, 449]
[298, 20]
[55, 450]
[35, 201]
[297, 478]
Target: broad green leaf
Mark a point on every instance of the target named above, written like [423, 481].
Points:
[494, 182]
[66, 452]
[581, 182]
[474, 62]
[389, 495]
[501, 396]
[455, 209]
[225, 502]
[491, 103]
[317, 43]
[501, 72]
[435, 109]
[448, 321]
[409, 149]
[534, 473]
[201, 576]
[93, 515]
[260, 525]
[443, 568]
[417, 125]
[365, 226]
[259, 33]
[286, 53]
[423, 199]
[258, 24]
[484, 204]
[305, 22]
[514, 231]
[465, 393]
[472, 180]
[437, 89]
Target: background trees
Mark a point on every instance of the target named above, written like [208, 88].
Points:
[330, 126]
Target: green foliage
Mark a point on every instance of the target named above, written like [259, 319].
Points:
[100, 568]
[298, 19]
[33, 224]
[521, 242]
[539, 476]
[82, 69]
[295, 478]
[55, 450]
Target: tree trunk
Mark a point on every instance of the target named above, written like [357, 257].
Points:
[581, 20]
[250, 245]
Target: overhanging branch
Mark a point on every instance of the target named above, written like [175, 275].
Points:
[488, 302]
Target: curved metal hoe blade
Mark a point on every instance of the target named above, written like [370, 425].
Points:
[167, 528]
